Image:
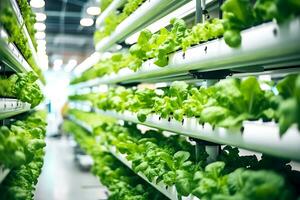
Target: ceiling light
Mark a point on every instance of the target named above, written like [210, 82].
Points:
[57, 64]
[40, 17]
[44, 62]
[40, 35]
[41, 42]
[41, 48]
[41, 52]
[70, 66]
[86, 22]
[37, 3]
[93, 10]
[40, 26]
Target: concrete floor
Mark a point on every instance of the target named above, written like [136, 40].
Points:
[61, 179]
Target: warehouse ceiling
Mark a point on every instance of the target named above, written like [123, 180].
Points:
[65, 37]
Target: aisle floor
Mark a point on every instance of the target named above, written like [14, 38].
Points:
[61, 178]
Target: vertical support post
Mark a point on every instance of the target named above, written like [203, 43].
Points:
[213, 151]
[204, 11]
[220, 11]
[199, 12]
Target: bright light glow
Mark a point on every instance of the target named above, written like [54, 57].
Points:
[119, 47]
[265, 77]
[40, 35]
[57, 64]
[40, 17]
[41, 48]
[93, 10]
[106, 55]
[70, 66]
[165, 21]
[44, 62]
[41, 42]
[37, 3]
[87, 63]
[86, 22]
[40, 26]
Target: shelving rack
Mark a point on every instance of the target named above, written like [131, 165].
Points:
[148, 12]
[80, 123]
[276, 51]
[169, 192]
[20, 19]
[260, 51]
[256, 135]
[112, 7]
[11, 107]
[10, 54]
[12, 61]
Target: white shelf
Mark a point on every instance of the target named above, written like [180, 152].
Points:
[112, 7]
[260, 48]
[12, 107]
[20, 19]
[3, 173]
[169, 192]
[80, 123]
[257, 136]
[138, 20]
[10, 54]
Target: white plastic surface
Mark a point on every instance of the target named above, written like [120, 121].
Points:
[257, 136]
[20, 19]
[112, 7]
[266, 45]
[80, 123]
[11, 107]
[11, 55]
[138, 20]
[169, 192]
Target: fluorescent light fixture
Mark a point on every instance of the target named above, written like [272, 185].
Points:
[86, 21]
[40, 17]
[40, 35]
[41, 42]
[70, 66]
[40, 26]
[93, 10]
[37, 3]
[57, 64]
[41, 48]
[44, 62]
